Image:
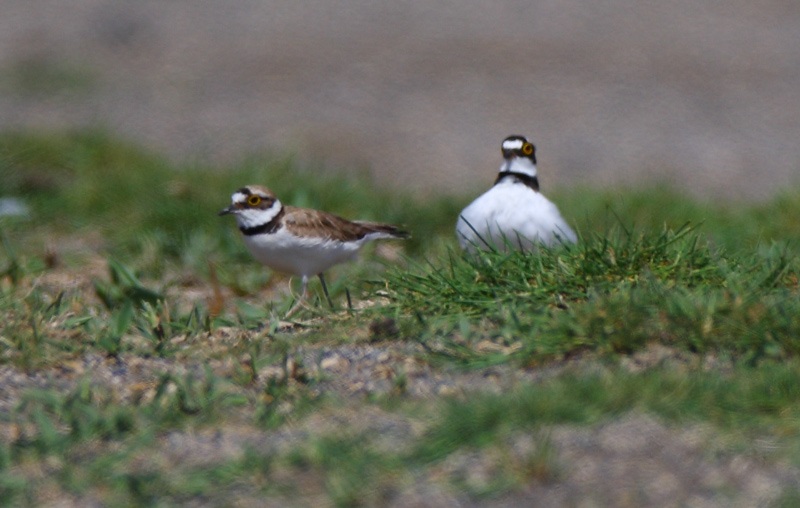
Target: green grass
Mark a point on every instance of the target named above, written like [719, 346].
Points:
[353, 469]
[118, 237]
[746, 400]
[615, 292]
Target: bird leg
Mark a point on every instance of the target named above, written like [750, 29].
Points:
[325, 289]
[301, 302]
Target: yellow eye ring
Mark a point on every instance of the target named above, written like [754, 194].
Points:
[527, 148]
[254, 200]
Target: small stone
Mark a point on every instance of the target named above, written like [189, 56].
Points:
[383, 372]
[447, 391]
[271, 372]
[335, 363]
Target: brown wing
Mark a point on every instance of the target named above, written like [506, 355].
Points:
[307, 222]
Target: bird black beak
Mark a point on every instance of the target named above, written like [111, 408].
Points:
[226, 211]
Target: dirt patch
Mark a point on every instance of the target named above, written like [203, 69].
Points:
[635, 460]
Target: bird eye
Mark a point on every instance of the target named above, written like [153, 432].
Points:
[254, 200]
[527, 148]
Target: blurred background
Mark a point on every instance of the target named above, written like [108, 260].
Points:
[703, 95]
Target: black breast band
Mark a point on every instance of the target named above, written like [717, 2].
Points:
[268, 228]
[530, 181]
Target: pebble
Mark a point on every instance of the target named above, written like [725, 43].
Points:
[335, 363]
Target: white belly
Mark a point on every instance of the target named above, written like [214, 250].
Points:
[512, 214]
[284, 252]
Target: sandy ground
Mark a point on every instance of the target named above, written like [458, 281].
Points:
[704, 95]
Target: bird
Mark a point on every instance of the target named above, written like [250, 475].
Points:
[513, 213]
[300, 241]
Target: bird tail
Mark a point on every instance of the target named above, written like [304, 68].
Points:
[378, 230]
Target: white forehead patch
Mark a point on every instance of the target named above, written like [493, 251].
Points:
[238, 197]
[512, 144]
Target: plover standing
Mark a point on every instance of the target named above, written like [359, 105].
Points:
[513, 213]
[300, 241]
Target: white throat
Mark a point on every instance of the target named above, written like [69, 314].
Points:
[253, 217]
[521, 165]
